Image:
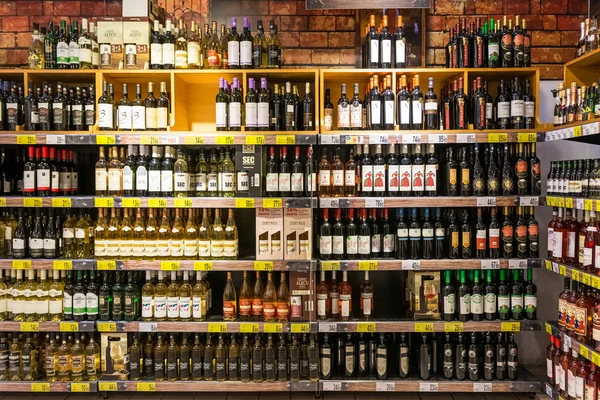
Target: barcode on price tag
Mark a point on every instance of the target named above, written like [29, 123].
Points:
[484, 387]
[332, 386]
[413, 265]
[517, 264]
[526, 201]
[466, 138]
[330, 203]
[438, 138]
[490, 264]
[148, 327]
[374, 203]
[327, 327]
[486, 202]
[428, 387]
[385, 387]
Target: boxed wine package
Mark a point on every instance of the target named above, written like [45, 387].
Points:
[423, 294]
[110, 41]
[297, 233]
[249, 182]
[269, 230]
[136, 41]
[114, 357]
[302, 286]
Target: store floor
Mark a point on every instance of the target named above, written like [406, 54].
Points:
[270, 396]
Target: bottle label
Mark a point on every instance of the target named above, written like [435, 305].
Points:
[404, 112]
[418, 174]
[571, 384]
[156, 53]
[481, 239]
[393, 181]
[269, 310]
[375, 112]
[245, 53]
[503, 109]
[476, 304]
[389, 112]
[431, 177]
[138, 117]
[221, 115]
[376, 243]
[364, 245]
[233, 52]
[400, 51]
[321, 305]
[465, 304]
[529, 109]
[417, 112]
[405, 178]
[125, 117]
[182, 181]
[29, 181]
[367, 178]
[160, 306]
[516, 303]
[154, 181]
[263, 115]
[580, 326]
[374, 51]
[168, 53]
[351, 245]
[297, 182]
[328, 119]
[235, 115]
[325, 244]
[449, 304]
[389, 243]
[356, 115]
[166, 181]
[379, 176]
[338, 245]
[173, 307]
[517, 108]
[557, 247]
[283, 311]
[490, 303]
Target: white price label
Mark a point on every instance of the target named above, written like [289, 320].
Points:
[330, 203]
[55, 139]
[483, 387]
[374, 203]
[466, 138]
[567, 340]
[327, 327]
[515, 263]
[428, 387]
[385, 386]
[330, 139]
[526, 201]
[555, 268]
[332, 386]
[486, 202]
[412, 138]
[579, 204]
[549, 390]
[570, 133]
[414, 265]
[148, 327]
[590, 129]
[438, 138]
[490, 264]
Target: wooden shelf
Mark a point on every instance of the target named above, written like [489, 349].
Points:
[590, 59]
[410, 325]
[428, 265]
[216, 327]
[428, 136]
[438, 201]
[44, 386]
[574, 130]
[64, 326]
[207, 386]
[40, 263]
[574, 273]
[576, 203]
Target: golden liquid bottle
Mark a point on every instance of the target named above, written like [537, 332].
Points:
[92, 361]
[231, 241]
[229, 300]
[100, 236]
[126, 236]
[82, 238]
[51, 361]
[151, 237]
[148, 298]
[204, 250]
[217, 237]
[164, 237]
[64, 361]
[77, 361]
[177, 233]
[42, 309]
[190, 241]
[160, 299]
[199, 299]
[30, 295]
[139, 237]
[173, 298]
[270, 300]
[185, 298]
[14, 360]
[283, 301]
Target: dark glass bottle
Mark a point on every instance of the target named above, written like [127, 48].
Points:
[376, 236]
[415, 237]
[427, 232]
[449, 298]
[431, 108]
[466, 234]
[493, 174]
[364, 237]
[461, 359]
[503, 298]
[326, 358]
[533, 229]
[479, 186]
[424, 359]
[474, 358]
[452, 184]
[338, 237]
[488, 358]
[404, 357]
[501, 358]
[349, 357]
[461, 107]
[464, 298]
[440, 236]
[490, 307]
[530, 297]
[516, 297]
[512, 357]
[477, 298]
[448, 357]
[465, 173]
[402, 248]
[507, 235]
[517, 106]
[454, 236]
[480, 235]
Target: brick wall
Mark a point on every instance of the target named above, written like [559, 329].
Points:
[319, 38]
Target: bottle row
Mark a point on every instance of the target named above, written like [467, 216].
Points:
[410, 109]
[428, 234]
[577, 178]
[576, 103]
[53, 358]
[588, 41]
[406, 171]
[577, 305]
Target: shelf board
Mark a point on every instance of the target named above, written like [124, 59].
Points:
[63, 326]
[207, 386]
[428, 265]
[574, 273]
[586, 350]
[217, 326]
[45, 386]
[57, 264]
[438, 201]
[577, 203]
[410, 325]
[434, 136]
[574, 130]
[590, 59]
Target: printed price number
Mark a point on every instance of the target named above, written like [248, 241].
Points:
[263, 265]
[595, 282]
[379, 139]
[411, 265]
[548, 329]
[203, 265]
[385, 387]
[454, 327]
[157, 203]
[586, 279]
[300, 328]
[526, 201]
[569, 202]
[354, 139]
[554, 267]
[483, 387]
[597, 204]
[584, 351]
[332, 386]
[486, 202]
[40, 387]
[285, 139]
[330, 265]
[577, 131]
[510, 327]
[106, 265]
[579, 204]
[225, 140]
[590, 129]
[412, 139]
[438, 138]
[574, 274]
[272, 203]
[79, 387]
[329, 203]
[148, 327]
[106, 139]
[596, 358]
[2, 201]
[527, 137]
[466, 138]
[428, 387]
[366, 327]
[423, 326]
[497, 137]
[21, 264]
[56, 139]
[170, 266]
[550, 201]
[246, 327]
[131, 202]
[183, 203]
[562, 270]
[490, 264]
[217, 327]
[560, 202]
[146, 387]
[244, 203]
[149, 139]
[69, 327]
[107, 327]
[548, 265]
[108, 386]
[29, 327]
[62, 265]
[273, 328]
[255, 139]
[33, 202]
[374, 203]
[61, 202]
[328, 327]
[26, 139]
[516, 263]
[194, 140]
[104, 202]
[368, 265]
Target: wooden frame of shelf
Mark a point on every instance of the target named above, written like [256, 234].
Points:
[583, 70]
[45, 387]
[410, 326]
[207, 386]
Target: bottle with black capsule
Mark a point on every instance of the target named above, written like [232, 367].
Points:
[439, 246]
[325, 358]
[245, 357]
[427, 232]
[404, 357]
[372, 356]
[209, 360]
[461, 359]
[294, 359]
[466, 235]
[512, 357]
[381, 358]
[448, 358]
[270, 360]
[473, 360]
[479, 187]
[402, 248]
[415, 236]
[424, 359]
[488, 358]
[452, 185]
[349, 357]
[465, 173]
[363, 357]
[454, 235]
[501, 359]
[435, 353]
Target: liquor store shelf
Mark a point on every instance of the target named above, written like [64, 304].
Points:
[586, 350]
[44, 387]
[49, 326]
[207, 326]
[164, 265]
[429, 265]
[429, 326]
[574, 130]
[574, 273]
[158, 202]
[206, 386]
[437, 201]
[571, 202]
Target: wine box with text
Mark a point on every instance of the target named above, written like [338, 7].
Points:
[297, 233]
[110, 41]
[249, 167]
[422, 294]
[136, 42]
[269, 230]
[302, 287]
[114, 356]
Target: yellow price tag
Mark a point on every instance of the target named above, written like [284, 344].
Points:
[423, 326]
[272, 203]
[131, 202]
[40, 387]
[527, 137]
[33, 202]
[454, 327]
[203, 265]
[248, 327]
[577, 131]
[146, 387]
[263, 265]
[584, 351]
[61, 202]
[285, 139]
[62, 265]
[366, 327]
[300, 328]
[104, 202]
[560, 202]
[106, 139]
[497, 137]
[107, 327]
[595, 282]
[106, 265]
[368, 265]
[244, 203]
[587, 205]
[30, 327]
[2, 201]
[330, 265]
[575, 275]
[169, 266]
[79, 387]
[217, 327]
[569, 202]
[69, 327]
[548, 265]
[562, 270]
[107, 386]
[548, 329]
[157, 203]
[26, 139]
[149, 139]
[273, 328]
[597, 204]
[510, 326]
[587, 279]
[21, 264]
[225, 140]
[183, 203]
[596, 358]
[255, 139]
[194, 140]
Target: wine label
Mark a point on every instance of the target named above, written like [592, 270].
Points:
[367, 178]
[343, 120]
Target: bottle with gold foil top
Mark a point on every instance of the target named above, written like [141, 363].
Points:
[135, 358]
[100, 235]
[185, 298]
[257, 297]
[177, 233]
[14, 360]
[217, 237]
[231, 241]
[270, 300]
[160, 299]
[92, 360]
[283, 301]
[113, 236]
[159, 360]
[29, 359]
[221, 359]
[126, 236]
[139, 237]
[229, 300]
[172, 360]
[173, 298]
[190, 240]
[51, 361]
[164, 237]
[184, 359]
[151, 236]
[245, 299]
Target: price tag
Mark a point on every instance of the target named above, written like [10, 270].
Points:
[244, 203]
[2, 201]
[169, 266]
[562, 270]
[577, 131]
[328, 327]
[146, 387]
[332, 386]
[248, 327]
[490, 264]
[285, 139]
[584, 351]
[224, 140]
[548, 329]
[560, 202]
[483, 387]
[510, 326]
[217, 327]
[595, 358]
[411, 265]
[330, 139]
[194, 140]
[157, 203]
[587, 205]
[529, 201]
[263, 265]
[300, 328]
[148, 327]
[548, 265]
[56, 139]
[104, 202]
[145, 139]
[59, 202]
[255, 139]
[104, 386]
[590, 129]
[497, 137]
[354, 139]
[579, 204]
[131, 202]
[203, 265]
[595, 282]
[26, 139]
[466, 138]
[329, 203]
[330, 265]
[33, 202]
[69, 327]
[374, 203]
[21, 264]
[107, 327]
[554, 267]
[412, 138]
[569, 202]
[40, 387]
[549, 391]
[586, 279]
[486, 202]
[438, 138]
[379, 139]
[550, 201]
[184, 202]
[569, 132]
[527, 137]
[367, 265]
[62, 265]
[382, 386]
[105, 139]
[80, 387]
[454, 327]
[423, 326]
[574, 274]
[272, 328]
[106, 265]
[516, 263]
[29, 327]
[272, 203]
[428, 387]
[366, 327]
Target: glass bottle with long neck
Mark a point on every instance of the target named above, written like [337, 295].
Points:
[199, 299]
[269, 300]
[283, 300]
[323, 306]
[245, 302]
[217, 237]
[366, 298]
[229, 300]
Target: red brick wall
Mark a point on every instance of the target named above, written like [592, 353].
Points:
[319, 38]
